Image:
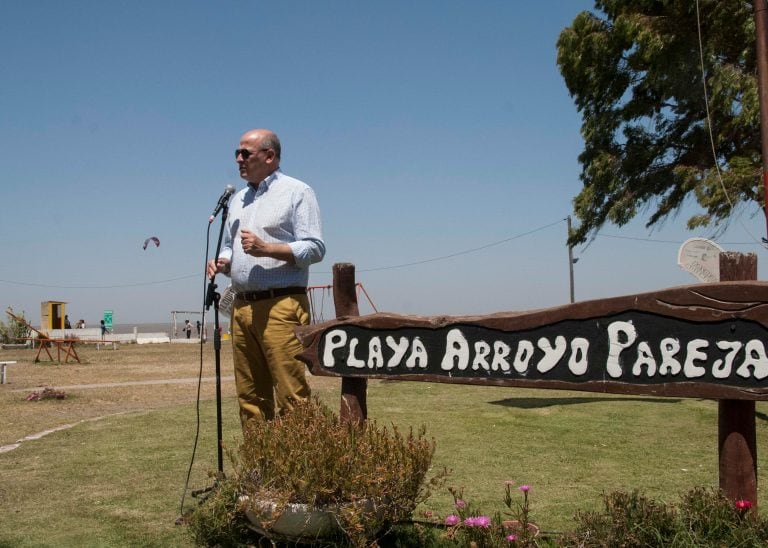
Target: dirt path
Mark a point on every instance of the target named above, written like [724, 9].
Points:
[187, 380]
[38, 435]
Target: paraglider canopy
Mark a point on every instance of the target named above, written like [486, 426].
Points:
[152, 239]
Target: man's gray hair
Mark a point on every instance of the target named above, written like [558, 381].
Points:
[271, 141]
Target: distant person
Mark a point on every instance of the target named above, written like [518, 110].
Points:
[188, 328]
[104, 329]
[197, 325]
[273, 234]
[67, 325]
[80, 324]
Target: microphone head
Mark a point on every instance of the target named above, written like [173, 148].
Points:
[229, 190]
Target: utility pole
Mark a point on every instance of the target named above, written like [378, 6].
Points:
[571, 260]
[761, 37]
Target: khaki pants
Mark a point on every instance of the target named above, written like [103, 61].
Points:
[264, 346]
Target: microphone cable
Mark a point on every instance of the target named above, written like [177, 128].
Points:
[181, 518]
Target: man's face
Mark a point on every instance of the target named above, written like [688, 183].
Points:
[259, 163]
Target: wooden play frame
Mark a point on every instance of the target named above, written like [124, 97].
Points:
[63, 346]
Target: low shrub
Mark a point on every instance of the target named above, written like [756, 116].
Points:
[217, 521]
[627, 519]
[371, 476]
[704, 517]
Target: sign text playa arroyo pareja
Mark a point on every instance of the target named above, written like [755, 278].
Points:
[707, 340]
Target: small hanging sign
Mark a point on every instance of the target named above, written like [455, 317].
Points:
[700, 257]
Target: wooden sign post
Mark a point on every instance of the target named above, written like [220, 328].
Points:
[736, 431]
[698, 341]
[354, 406]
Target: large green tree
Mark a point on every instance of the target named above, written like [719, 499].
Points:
[633, 68]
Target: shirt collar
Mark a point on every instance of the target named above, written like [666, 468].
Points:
[265, 184]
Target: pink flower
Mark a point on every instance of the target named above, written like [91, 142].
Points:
[509, 483]
[743, 504]
[512, 538]
[460, 504]
[452, 520]
[478, 521]
[525, 488]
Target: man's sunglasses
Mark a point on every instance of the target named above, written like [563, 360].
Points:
[245, 153]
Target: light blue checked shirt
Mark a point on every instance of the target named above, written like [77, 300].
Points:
[282, 209]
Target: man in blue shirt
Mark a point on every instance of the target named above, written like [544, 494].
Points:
[273, 233]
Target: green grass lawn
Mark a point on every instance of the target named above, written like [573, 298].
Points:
[119, 481]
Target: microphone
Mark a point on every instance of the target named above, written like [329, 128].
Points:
[223, 200]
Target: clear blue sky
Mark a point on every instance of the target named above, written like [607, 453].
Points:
[439, 137]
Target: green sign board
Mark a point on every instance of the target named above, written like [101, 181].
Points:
[108, 319]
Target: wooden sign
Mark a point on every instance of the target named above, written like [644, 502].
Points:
[706, 340]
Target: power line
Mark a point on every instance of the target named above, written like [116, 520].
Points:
[113, 286]
[380, 268]
[465, 252]
[709, 126]
[404, 265]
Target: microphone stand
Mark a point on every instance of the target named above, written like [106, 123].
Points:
[212, 299]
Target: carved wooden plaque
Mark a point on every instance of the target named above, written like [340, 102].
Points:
[706, 340]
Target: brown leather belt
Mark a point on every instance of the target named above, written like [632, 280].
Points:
[252, 296]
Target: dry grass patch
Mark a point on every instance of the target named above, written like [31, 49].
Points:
[107, 382]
